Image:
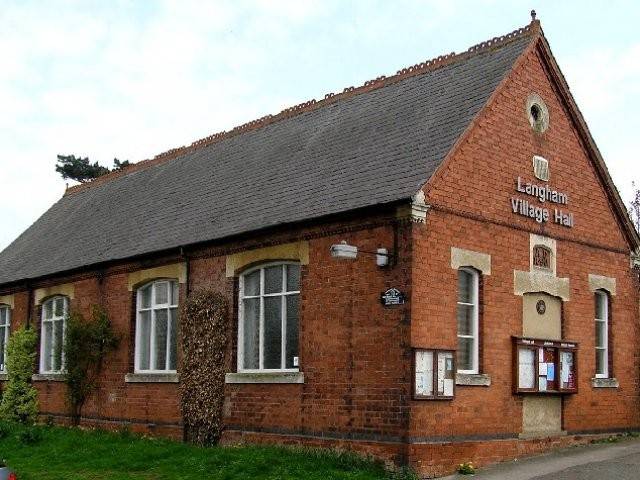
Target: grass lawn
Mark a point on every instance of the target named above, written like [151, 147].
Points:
[70, 453]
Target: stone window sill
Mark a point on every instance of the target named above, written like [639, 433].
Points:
[48, 377]
[151, 378]
[265, 377]
[473, 379]
[4, 377]
[605, 382]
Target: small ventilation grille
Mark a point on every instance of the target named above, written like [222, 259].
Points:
[541, 168]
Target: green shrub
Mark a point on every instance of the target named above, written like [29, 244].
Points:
[20, 398]
[5, 430]
[466, 468]
[30, 436]
[86, 344]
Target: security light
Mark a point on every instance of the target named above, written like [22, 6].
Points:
[344, 250]
[382, 257]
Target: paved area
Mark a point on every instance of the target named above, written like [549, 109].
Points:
[619, 461]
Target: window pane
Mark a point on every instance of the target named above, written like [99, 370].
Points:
[252, 284]
[273, 332]
[161, 340]
[174, 293]
[600, 334]
[600, 361]
[293, 278]
[145, 297]
[48, 309]
[3, 316]
[465, 354]
[162, 293]
[465, 286]
[601, 306]
[273, 279]
[465, 319]
[173, 338]
[57, 345]
[251, 327]
[292, 330]
[47, 337]
[144, 338]
[59, 307]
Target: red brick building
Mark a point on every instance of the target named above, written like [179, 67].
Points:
[504, 322]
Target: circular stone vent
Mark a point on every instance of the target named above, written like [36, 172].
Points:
[538, 113]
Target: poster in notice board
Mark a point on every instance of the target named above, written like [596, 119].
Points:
[527, 368]
[567, 372]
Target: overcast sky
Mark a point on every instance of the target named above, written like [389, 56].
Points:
[130, 79]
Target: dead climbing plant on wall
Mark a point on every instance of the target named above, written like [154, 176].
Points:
[203, 339]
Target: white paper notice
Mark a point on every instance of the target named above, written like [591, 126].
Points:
[442, 368]
[526, 368]
[424, 373]
[448, 387]
[542, 384]
[566, 363]
[542, 369]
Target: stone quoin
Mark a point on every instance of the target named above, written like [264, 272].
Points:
[502, 322]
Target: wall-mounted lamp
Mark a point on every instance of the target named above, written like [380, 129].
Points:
[345, 251]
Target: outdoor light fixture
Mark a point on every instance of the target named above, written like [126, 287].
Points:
[346, 251]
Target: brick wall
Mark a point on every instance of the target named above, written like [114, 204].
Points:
[352, 391]
[470, 196]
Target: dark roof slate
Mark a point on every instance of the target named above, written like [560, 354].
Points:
[370, 148]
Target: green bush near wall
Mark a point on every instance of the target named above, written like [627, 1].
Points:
[20, 399]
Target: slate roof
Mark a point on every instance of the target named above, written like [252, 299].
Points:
[372, 146]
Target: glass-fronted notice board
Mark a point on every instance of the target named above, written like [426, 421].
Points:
[434, 374]
[544, 366]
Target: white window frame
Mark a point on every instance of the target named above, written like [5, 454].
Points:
[603, 295]
[54, 318]
[7, 330]
[283, 307]
[153, 308]
[475, 303]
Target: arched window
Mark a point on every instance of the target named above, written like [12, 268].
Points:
[467, 315]
[156, 327]
[602, 333]
[268, 318]
[54, 319]
[5, 327]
